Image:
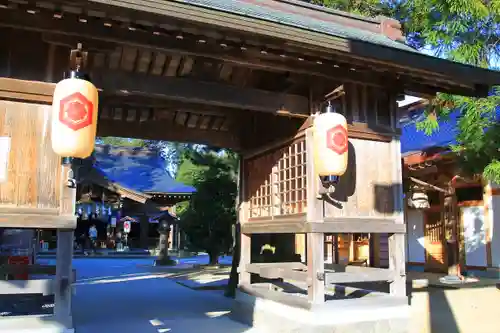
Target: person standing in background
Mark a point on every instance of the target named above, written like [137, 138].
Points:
[93, 237]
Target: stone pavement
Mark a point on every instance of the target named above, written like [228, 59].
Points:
[463, 310]
[435, 307]
[128, 296]
[124, 296]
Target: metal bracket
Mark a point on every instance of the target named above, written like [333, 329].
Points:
[320, 276]
[71, 183]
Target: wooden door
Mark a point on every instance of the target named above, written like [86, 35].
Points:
[435, 250]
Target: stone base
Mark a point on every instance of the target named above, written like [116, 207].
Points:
[378, 314]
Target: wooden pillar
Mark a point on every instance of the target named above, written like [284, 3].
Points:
[64, 255]
[375, 250]
[336, 254]
[245, 240]
[493, 226]
[450, 213]
[488, 216]
[300, 246]
[315, 241]
[351, 256]
[397, 241]
[144, 231]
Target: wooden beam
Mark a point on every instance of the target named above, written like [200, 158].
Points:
[158, 130]
[286, 265]
[353, 274]
[29, 211]
[421, 182]
[286, 271]
[297, 224]
[18, 287]
[277, 224]
[355, 224]
[189, 90]
[265, 291]
[29, 91]
[37, 221]
[274, 228]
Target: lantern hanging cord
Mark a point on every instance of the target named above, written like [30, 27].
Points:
[78, 58]
[330, 108]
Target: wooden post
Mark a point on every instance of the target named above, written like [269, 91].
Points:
[144, 231]
[375, 250]
[245, 240]
[351, 257]
[336, 253]
[315, 241]
[397, 241]
[64, 255]
[488, 216]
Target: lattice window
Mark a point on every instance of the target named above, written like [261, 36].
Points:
[292, 179]
[276, 181]
[259, 179]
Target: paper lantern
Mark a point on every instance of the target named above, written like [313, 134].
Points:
[74, 117]
[330, 143]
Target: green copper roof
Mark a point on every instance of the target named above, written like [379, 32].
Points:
[304, 16]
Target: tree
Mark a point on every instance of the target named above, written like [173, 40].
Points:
[466, 31]
[209, 216]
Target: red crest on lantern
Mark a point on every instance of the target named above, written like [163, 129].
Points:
[336, 139]
[76, 111]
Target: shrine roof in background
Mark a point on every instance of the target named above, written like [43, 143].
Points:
[413, 140]
[139, 169]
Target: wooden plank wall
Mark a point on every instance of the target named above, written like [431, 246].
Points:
[276, 182]
[33, 169]
[366, 188]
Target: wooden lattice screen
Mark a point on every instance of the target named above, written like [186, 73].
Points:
[277, 181]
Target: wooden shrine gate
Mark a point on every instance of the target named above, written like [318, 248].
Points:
[247, 77]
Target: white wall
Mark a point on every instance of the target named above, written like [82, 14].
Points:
[474, 235]
[415, 226]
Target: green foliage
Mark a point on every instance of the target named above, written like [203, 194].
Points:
[370, 8]
[122, 142]
[466, 31]
[208, 217]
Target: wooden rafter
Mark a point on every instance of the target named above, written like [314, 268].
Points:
[337, 66]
